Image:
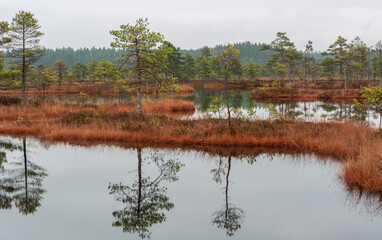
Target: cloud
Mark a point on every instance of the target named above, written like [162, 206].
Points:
[192, 24]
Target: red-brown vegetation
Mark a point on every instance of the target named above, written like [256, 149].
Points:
[357, 146]
[88, 87]
[45, 111]
[266, 88]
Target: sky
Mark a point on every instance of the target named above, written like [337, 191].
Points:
[197, 23]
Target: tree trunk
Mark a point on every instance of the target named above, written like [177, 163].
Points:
[156, 88]
[139, 152]
[304, 69]
[23, 81]
[345, 81]
[138, 84]
[341, 71]
[25, 170]
[226, 95]
[174, 74]
[226, 187]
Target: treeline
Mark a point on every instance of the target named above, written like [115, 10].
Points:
[83, 55]
[253, 60]
[350, 61]
[248, 51]
[346, 60]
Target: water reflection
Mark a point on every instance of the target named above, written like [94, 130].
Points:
[364, 201]
[242, 100]
[304, 183]
[7, 146]
[236, 98]
[5, 199]
[309, 111]
[145, 199]
[229, 217]
[21, 181]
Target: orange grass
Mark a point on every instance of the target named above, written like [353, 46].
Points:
[364, 171]
[47, 110]
[337, 139]
[359, 147]
[89, 88]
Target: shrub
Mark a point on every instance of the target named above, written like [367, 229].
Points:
[6, 101]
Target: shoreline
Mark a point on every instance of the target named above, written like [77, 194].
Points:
[357, 146]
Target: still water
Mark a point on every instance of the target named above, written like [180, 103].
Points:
[242, 101]
[63, 191]
[309, 111]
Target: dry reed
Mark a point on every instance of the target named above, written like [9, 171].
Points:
[358, 146]
[48, 110]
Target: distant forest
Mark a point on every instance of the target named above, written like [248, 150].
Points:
[248, 51]
[83, 55]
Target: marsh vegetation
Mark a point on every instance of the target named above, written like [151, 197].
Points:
[325, 106]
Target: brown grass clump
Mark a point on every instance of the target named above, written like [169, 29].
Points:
[5, 100]
[364, 171]
[362, 177]
[168, 105]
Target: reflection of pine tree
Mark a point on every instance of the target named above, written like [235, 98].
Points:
[217, 174]
[9, 147]
[229, 217]
[22, 184]
[5, 199]
[145, 199]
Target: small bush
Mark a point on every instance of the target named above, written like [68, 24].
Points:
[6, 101]
[326, 95]
[79, 118]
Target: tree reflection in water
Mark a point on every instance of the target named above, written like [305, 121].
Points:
[229, 217]
[5, 198]
[145, 199]
[21, 181]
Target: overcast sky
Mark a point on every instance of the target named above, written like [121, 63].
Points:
[197, 23]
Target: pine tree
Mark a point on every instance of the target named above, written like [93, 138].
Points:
[308, 58]
[24, 47]
[4, 29]
[92, 69]
[138, 44]
[189, 67]
[227, 59]
[174, 61]
[204, 67]
[62, 70]
[338, 50]
[79, 70]
[282, 46]
[251, 70]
